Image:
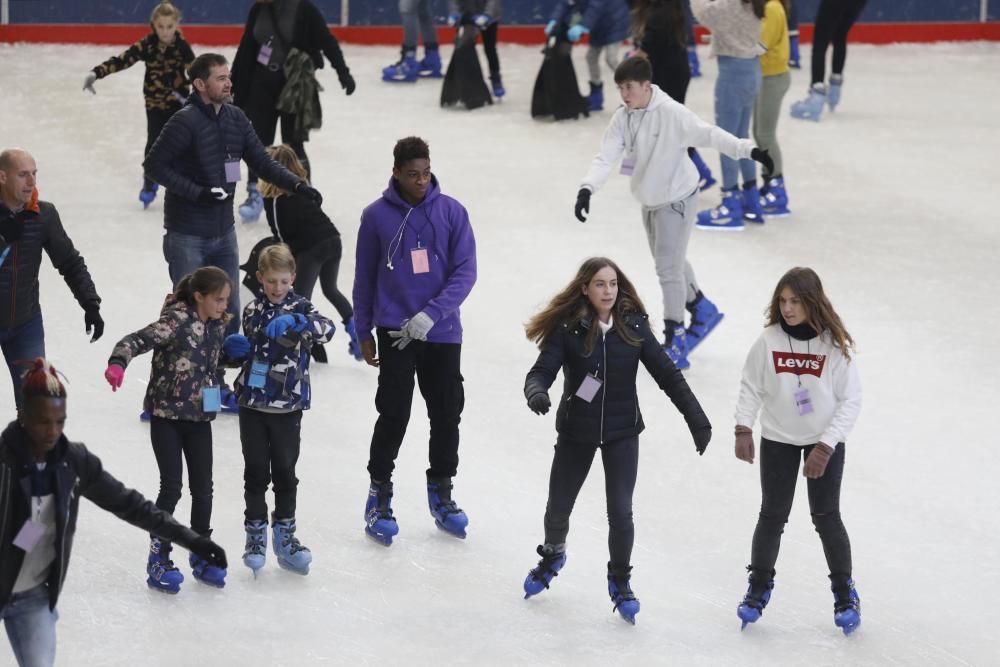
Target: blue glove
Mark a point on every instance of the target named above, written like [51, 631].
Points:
[282, 323]
[549, 27]
[482, 20]
[453, 19]
[236, 346]
[576, 32]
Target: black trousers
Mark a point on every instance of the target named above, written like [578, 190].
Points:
[438, 371]
[570, 467]
[490, 48]
[155, 120]
[779, 471]
[173, 440]
[270, 450]
[834, 19]
[260, 109]
[322, 262]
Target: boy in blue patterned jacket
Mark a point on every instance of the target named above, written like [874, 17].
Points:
[280, 328]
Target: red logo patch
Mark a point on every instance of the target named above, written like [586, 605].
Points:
[797, 363]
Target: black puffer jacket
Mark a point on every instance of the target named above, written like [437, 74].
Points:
[77, 473]
[298, 221]
[613, 413]
[19, 271]
[191, 154]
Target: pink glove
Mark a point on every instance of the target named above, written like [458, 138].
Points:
[744, 444]
[114, 375]
[816, 461]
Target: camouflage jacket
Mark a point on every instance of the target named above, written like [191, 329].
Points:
[165, 85]
[186, 354]
[287, 358]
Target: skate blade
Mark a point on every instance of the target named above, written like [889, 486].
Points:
[460, 535]
[384, 540]
[165, 591]
[296, 570]
[720, 228]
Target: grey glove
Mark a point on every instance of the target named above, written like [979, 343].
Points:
[88, 83]
[415, 328]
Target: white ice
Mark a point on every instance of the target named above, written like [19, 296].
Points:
[894, 206]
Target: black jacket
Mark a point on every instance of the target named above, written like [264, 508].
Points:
[298, 221]
[666, 49]
[309, 33]
[77, 473]
[19, 271]
[191, 154]
[613, 413]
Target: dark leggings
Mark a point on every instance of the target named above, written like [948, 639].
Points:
[270, 451]
[834, 19]
[155, 120]
[779, 470]
[173, 439]
[490, 47]
[264, 116]
[322, 261]
[570, 466]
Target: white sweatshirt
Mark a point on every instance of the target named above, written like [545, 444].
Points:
[735, 28]
[775, 366]
[657, 138]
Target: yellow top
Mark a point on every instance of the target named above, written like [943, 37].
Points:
[774, 38]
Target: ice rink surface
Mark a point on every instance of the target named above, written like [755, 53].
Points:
[894, 206]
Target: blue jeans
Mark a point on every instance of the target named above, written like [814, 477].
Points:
[31, 627]
[21, 345]
[185, 253]
[735, 90]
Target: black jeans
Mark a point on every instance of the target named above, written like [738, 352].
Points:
[322, 261]
[438, 370]
[270, 450]
[263, 114]
[173, 439]
[155, 120]
[570, 466]
[779, 470]
[834, 19]
[490, 48]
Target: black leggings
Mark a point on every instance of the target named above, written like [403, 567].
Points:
[264, 115]
[834, 19]
[490, 47]
[322, 261]
[173, 439]
[270, 451]
[779, 470]
[570, 466]
[155, 120]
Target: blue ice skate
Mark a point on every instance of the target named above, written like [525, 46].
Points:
[540, 576]
[595, 101]
[229, 401]
[846, 607]
[430, 66]
[406, 70]
[752, 210]
[162, 575]
[757, 596]
[498, 89]
[774, 198]
[693, 63]
[621, 593]
[147, 195]
[292, 555]
[207, 573]
[253, 206]
[793, 52]
[727, 216]
[255, 552]
[354, 345]
[705, 178]
[811, 108]
[448, 516]
[380, 524]
[704, 318]
[833, 93]
[676, 345]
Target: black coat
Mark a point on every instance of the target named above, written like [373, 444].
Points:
[666, 49]
[613, 413]
[191, 154]
[77, 473]
[298, 221]
[42, 229]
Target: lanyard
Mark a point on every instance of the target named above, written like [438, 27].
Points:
[792, 350]
[633, 135]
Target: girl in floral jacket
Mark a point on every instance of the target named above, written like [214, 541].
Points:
[182, 398]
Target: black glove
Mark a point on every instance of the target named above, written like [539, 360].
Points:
[539, 403]
[309, 191]
[762, 156]
[10, 230]
[346, 81]
[209, 551]
[582, 204]
[701, 438]
[92, 318]
[209, 195]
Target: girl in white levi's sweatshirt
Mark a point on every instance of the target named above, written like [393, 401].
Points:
[801, 377]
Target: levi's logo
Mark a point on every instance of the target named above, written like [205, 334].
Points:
[798, 363]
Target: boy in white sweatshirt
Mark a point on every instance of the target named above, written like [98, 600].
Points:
[650, 134]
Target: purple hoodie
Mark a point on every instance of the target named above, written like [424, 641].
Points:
[383, 296]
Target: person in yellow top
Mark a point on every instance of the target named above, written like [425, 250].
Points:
[775, 82]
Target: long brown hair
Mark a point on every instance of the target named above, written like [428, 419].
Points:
[571, 304]
[820, 314]
[668, 12]
[286, 157]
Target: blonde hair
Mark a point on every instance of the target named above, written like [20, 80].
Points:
[165, 8]
[276, 257]
[286, 157]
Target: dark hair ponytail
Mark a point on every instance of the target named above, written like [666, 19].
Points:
[206, 280]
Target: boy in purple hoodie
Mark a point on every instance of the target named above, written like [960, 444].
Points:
[415, 265]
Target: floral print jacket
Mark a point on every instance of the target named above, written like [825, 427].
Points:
[186, 354]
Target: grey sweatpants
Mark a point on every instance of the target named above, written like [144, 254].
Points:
[668, 230]
[416, 16]
[611, 53]
[766, 111]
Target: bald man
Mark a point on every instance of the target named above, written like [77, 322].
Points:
[27, 226]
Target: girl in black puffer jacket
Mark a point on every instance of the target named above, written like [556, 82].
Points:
[597, 332]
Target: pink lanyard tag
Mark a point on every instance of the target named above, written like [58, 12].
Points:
[803, 402]
[628, 166]
[232, 171]
[588, 388]
[418, 257]
[264, 55]
[29, 535]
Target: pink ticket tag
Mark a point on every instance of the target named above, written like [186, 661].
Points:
[418, 256]
[803, 402]
[264, 55]
[232, 171]
[588, 388]
[29, 535]
[628, 166]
